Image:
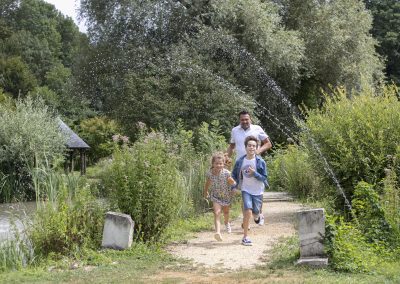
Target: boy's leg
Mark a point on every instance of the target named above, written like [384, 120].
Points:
[246, 221]
[247, 209]
[261, 222]
[256, 208]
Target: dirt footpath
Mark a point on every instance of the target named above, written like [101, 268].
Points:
[205, 251]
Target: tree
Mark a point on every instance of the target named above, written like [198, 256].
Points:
[386, 29]
[29, 137]
[339, 49]
[158, 61]
[16, 77]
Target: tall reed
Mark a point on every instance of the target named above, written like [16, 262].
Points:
[15, 251]
[194, 177]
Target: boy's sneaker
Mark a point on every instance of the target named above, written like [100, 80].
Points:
[218, 237]
[246, 242]
[228, 228]
[260, 220]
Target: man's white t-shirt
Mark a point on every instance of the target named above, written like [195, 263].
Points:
[249, 183]
[238, 135]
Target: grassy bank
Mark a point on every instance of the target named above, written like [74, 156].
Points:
[146, 264]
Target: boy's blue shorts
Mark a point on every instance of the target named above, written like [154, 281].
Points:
[253, 202]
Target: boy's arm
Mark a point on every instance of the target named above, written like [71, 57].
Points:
[206, 188]
[261, 173]
[235, 174]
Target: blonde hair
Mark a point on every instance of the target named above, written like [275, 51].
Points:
[217, 156]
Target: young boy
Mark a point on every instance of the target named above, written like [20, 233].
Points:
[250, 174]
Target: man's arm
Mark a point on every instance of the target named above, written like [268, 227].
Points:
[266, 145]
[229, 151]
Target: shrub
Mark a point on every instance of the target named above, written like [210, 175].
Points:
[193, 151]
[68, 225]
[209, 138]
[347, 247]
[291, 170]
[30, 137]
[370, 214]
[98, 133]
[390, 201]
[146, 184]
[356, 134]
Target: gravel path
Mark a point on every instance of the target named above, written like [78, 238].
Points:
[204, 250]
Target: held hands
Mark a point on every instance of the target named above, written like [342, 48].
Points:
[231, 181]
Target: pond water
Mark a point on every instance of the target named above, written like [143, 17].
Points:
[12, 215]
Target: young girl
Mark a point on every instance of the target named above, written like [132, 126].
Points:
[218, 187]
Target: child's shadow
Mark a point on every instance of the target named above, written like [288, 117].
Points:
[214, 244]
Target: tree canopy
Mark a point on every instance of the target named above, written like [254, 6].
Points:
[158, 61]
[39, 49]
[386, 29]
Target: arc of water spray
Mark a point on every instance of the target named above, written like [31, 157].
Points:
[277, 90]
[285, 130]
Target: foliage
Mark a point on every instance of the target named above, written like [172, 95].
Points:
[40, 51]
[147, 185]
[182, 65]
[30, 137]
[69, 225]
[209, 138]
[16, 77]
[98, 132]
[370, 214]
[356, 135]
[340, 51]
[15, 253]
[390, 202]
[193, 149]
[386, 30]
[257, 26]
[292, 170]
[348, 248]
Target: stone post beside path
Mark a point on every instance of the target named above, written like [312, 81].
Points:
[118, 231]
[312, 234]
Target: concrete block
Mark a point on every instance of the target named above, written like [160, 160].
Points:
[313, 262]
[118, 231]
[311, 232]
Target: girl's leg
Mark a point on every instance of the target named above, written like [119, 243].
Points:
[226, 214]
[217, 217]
[226, 219]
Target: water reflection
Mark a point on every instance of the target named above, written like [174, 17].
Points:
[11, 215]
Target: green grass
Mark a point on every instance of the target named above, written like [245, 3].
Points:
[100, 267]
[114, 266]
[281, 269]
[143, 262]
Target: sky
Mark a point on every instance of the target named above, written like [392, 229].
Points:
[69, 7]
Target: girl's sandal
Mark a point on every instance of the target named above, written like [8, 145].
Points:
[218, 237]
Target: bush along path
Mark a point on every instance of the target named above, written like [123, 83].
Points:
[280, 218]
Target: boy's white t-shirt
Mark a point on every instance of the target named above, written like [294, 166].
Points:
[249, 183]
